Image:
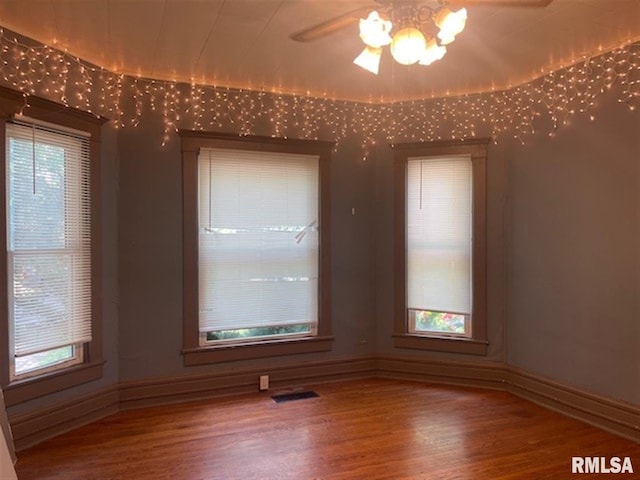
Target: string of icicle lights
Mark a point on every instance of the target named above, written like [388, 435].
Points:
[37, 69]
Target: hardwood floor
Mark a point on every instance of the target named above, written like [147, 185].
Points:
[365, 429]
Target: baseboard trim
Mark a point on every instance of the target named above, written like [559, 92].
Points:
[619, 418]
[196, 387]
[36, 427]
[43, 424]
[469, 374]
[616, 417]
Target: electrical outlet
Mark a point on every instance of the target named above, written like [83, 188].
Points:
[264, 382]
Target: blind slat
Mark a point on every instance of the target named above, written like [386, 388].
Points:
[48, 238]
[439, 231]
[258, 239]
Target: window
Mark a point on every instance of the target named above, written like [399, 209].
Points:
[48, 248]
[440, 252]
[256, 211]
[258, 244]
[51, 338]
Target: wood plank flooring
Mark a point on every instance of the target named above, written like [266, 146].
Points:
[365, 429]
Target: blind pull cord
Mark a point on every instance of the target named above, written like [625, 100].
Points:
[210, 182]
[33, 160]
[421, 162]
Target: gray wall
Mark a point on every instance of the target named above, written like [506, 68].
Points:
[564, 255]
[150, 239]
[574, 254]
[563, 258]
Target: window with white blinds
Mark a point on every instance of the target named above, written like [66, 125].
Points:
[258, 238]
[439, 234]
[48, 242]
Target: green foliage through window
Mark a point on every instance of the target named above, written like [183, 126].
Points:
[429, 321]
[43, 359]
[258, 332]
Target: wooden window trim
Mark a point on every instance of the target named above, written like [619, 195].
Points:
[21, 390]
[193, 353]
[478, 343]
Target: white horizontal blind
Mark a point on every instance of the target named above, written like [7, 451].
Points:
[258, 239]
[48, 238]
[439, 231]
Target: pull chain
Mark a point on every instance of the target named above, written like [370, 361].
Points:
[33, 160]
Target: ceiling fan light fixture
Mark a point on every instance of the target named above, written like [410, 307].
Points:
[408, 46]
[450, 24]
[369, 59]
[374, 31]
[446, 39]
[432, 53]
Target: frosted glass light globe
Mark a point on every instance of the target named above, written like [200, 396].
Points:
[408, 46]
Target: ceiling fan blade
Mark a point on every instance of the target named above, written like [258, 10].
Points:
[330, 26]
[500, 3]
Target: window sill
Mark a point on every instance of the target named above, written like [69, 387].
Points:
[259, 349]
[20, 391]
[467, 346]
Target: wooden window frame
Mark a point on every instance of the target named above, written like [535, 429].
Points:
[477, 344]
[20, 390]
[195, 354]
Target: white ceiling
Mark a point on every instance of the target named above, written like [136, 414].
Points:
[246, 44]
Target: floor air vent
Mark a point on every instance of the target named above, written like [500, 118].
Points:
[287, 397]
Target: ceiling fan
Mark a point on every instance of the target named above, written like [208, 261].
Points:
[327, 27]
[425, 27]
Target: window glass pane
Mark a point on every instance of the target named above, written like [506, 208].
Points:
[244, 333]
[439, 322]
[37, 361]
